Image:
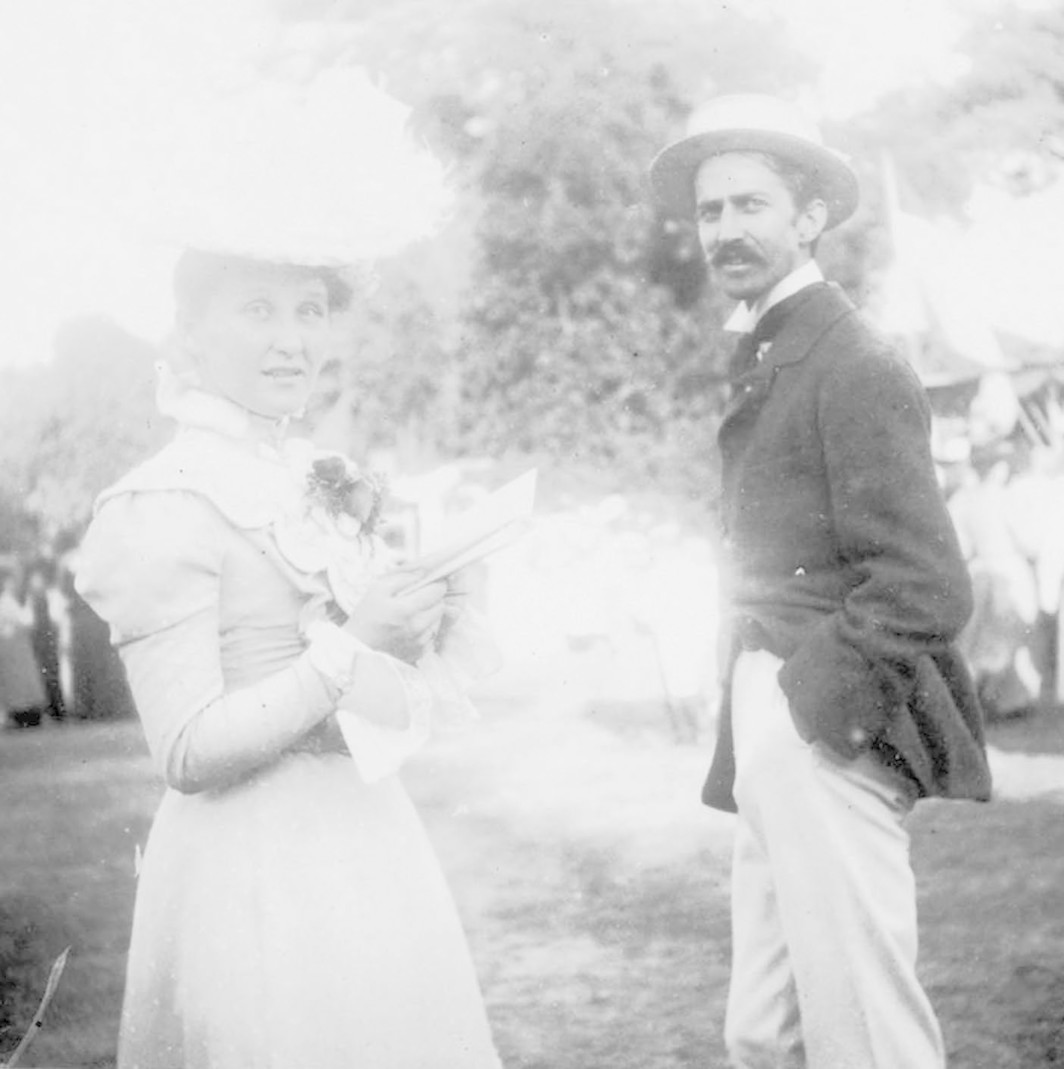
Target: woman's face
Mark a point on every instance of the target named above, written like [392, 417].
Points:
[261, 338]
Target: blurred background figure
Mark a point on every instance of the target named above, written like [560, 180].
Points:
[1035, 514]
[22, 694]
[97, 688]
[997, 639]
[48, 631]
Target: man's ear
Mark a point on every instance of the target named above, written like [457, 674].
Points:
[811, 221]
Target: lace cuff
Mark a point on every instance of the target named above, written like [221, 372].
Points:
[380, 751]
[333, 652]
[430, 696]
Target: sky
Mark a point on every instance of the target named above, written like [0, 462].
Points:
[76, 97]
[101, 103]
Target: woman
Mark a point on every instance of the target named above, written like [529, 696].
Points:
[289, 909]
[21, 692]
[97, 685]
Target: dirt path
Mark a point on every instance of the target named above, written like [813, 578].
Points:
[593, 886]
[595, 891]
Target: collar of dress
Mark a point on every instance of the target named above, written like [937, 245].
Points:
[253, 479]
[193, 408]
[261, 488]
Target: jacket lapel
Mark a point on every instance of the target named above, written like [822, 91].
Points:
[807, 324]
[749, 391]
[824, 304]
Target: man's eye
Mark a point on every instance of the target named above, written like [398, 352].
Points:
[260, 310]
[312, 310]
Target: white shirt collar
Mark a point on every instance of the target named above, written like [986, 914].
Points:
[745, 317]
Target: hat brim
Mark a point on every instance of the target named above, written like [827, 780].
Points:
[672, 173]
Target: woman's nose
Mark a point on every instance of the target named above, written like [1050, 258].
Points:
[289, 336]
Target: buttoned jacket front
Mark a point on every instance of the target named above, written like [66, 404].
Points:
[841, 558]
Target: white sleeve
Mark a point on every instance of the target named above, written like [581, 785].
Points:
[385, 708]
[151, 566]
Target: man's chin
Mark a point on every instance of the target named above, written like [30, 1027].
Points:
[740, 281]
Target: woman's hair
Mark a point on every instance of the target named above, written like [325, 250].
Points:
[198, 274]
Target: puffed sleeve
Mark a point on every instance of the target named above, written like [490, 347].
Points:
[150, 565]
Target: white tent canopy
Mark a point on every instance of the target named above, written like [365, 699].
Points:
[971, 286]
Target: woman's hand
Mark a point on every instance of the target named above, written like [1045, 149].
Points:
[459, 591]
[402, 624]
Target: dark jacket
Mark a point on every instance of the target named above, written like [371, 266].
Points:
[840, 556]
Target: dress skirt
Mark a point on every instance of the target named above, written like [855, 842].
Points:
[299, 919]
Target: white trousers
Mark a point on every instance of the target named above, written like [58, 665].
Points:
[823, 901]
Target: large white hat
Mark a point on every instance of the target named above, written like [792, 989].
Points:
[321, 172]
[752, 122]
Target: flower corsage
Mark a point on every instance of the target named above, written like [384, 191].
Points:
[350, 497]
[331, 530]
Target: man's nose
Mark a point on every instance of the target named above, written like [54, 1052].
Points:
[729, 225]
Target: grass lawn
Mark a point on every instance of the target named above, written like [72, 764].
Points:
[73, 802]
[593, 887]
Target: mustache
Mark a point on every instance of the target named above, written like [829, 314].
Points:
[736, 252]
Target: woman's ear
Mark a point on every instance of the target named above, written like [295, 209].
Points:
[184, 335]
[181, 354]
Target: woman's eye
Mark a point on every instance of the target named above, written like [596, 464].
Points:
[312, 310]
[260, 310]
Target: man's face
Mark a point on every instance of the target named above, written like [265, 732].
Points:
[752, 232]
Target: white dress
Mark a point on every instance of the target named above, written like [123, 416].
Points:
[289, 913]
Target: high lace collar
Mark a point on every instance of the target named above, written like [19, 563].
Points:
[196, 409]
[221, 453]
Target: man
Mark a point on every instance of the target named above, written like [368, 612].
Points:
[846, 700]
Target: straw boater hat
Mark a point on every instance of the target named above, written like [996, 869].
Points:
[752, 122]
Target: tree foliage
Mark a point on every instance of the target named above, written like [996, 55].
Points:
[581, 334]
[1000, 122]
[555, 314]
[1011, 102]
[393, 375]
[73, 427]
[568, 345]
